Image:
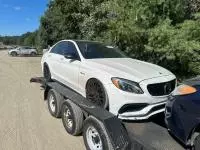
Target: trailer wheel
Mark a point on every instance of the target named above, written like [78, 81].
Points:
[95, 135]
[54, 99]
[72, 118]
[197, 143]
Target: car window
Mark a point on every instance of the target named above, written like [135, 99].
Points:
[58, 48]
[70, 49]
[65, 48]
[92, 50]
[24, 48]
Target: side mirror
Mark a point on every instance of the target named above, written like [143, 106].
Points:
[71, 56]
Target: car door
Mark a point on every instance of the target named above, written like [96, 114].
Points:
[69, 68]
[18, 50]
[22, 50]
[29, 49]
[53, 60]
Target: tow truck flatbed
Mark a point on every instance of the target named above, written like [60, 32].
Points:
[145, 135]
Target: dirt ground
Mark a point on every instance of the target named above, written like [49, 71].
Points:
[25, 123]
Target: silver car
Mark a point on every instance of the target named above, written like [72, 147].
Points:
[24, 50]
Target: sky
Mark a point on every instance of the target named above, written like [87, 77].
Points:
[20, 16]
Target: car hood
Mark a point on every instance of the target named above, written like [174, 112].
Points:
[128, 68]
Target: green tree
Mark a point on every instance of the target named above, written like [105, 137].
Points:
[164, 32]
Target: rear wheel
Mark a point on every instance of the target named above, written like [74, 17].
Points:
[33, 54]
[47, 73]
[95, 93]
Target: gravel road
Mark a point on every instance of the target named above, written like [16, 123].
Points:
[25, 123]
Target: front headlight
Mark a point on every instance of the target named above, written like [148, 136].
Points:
[184, 90]
[126, 85]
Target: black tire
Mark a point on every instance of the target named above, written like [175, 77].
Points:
[47, 73]
[197, 143]
[14, 54]
[101, 139]
[54, 99]
[33, 54]
[95, 93]
[72, 118]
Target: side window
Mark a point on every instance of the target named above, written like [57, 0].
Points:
[58, 48]
[70, 49]
[27, 48]
[23, 48]
[54, 50]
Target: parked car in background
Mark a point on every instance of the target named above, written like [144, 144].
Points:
[129, 88]
[23, 50]
[182, 114]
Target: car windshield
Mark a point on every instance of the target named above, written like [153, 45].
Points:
[93, 50]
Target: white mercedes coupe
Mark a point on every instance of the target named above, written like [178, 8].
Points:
[130, 89]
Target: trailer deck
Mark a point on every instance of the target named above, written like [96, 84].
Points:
[146, 135]
[151, 136]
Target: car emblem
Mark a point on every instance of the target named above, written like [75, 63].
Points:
[167, 88]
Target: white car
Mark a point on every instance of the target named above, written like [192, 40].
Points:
[24, 50]
[130, 89]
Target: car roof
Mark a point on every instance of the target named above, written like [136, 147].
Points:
[75, 40]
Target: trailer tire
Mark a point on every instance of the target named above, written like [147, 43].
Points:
[53, 100]
[95, 135]
[72, 118]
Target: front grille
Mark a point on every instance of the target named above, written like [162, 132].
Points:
[161, 89]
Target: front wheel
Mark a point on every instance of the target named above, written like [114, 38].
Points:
[197, 143]
[96, 93]
[14, 54]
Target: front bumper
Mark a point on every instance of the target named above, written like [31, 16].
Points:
[145, 113]
[168, 110]
[118, 99]
[148, 105]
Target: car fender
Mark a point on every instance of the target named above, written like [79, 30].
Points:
[85, 76]
[13, 51]
[33, 50]
[193, 134]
